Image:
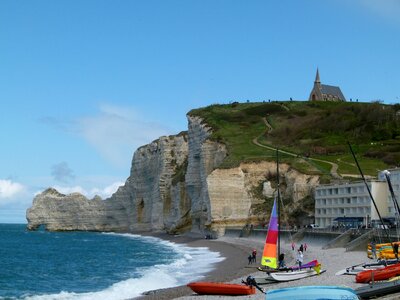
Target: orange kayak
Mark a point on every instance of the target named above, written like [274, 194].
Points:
[220, 288]
[378, 274]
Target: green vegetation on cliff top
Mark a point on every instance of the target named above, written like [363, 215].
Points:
[314, 133]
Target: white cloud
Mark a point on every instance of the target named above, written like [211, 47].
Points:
[115, 132]
[13, 195]
[10, 189]
[102, 192]
[107, 191]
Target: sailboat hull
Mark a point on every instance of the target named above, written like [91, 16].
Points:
[379, 274]
[295, 275]
[378, 289]
[312, 293]
[355, 270]
[287, 276]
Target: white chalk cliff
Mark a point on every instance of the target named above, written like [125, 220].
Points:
[175, 185]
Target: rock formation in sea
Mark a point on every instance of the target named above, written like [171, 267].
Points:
[175, 185]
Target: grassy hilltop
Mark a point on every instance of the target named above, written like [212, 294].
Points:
[313, 133]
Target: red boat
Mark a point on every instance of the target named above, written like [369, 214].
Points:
[220, 288]
[378, 274]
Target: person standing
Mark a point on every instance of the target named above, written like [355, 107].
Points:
[301, 248]
[281, 264]
[293, 246]
[396, 250]
[299, 258]
[305, 247]
[254, 254]
[373, 249]
[250, 258]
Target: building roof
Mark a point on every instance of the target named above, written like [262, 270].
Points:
[317, 77]
[332, 90]
[349, 219]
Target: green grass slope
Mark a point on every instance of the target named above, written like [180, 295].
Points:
[314, 133]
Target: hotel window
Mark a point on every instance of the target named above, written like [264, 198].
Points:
[342, 210]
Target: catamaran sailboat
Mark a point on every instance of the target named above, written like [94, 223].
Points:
[269, 258]
[272, 250]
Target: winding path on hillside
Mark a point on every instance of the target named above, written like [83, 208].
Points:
[334, 166]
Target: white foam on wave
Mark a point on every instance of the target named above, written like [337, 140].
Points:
[192, 265]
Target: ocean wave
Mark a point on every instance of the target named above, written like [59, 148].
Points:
[192, 265]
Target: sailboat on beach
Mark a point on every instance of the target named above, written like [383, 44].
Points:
[269, 258]
[271, 251]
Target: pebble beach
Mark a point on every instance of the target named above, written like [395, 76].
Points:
[235, 267]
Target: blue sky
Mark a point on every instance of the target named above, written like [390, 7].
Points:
[84, 83]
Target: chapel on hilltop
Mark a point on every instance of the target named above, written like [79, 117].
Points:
[324, 92]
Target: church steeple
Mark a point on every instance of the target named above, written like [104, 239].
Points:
[317, 77]
[324, 92]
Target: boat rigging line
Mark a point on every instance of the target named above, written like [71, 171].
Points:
[385, 230]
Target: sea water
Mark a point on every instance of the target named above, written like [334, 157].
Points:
[87, 265]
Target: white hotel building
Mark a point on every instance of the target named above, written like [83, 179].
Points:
[350, 203]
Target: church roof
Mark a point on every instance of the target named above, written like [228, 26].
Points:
[332, 90]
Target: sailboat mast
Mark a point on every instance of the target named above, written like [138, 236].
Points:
[385, 230]
[395, 203]
[279, 200]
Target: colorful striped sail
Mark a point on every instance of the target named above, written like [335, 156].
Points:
[269, 256]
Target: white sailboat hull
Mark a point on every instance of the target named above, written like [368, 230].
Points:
[356, 270]
[294, 275]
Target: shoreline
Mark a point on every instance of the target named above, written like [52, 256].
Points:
[235, 266]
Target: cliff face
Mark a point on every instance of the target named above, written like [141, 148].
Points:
[145, 202]
[234, 199]
[174, 185]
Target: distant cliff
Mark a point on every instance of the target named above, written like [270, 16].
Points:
[175, 185]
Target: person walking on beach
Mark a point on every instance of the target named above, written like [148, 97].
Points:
[254, 254]
[301, 248]
[293, 246]
[299, 258]
[250, 258]
[305, 247]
